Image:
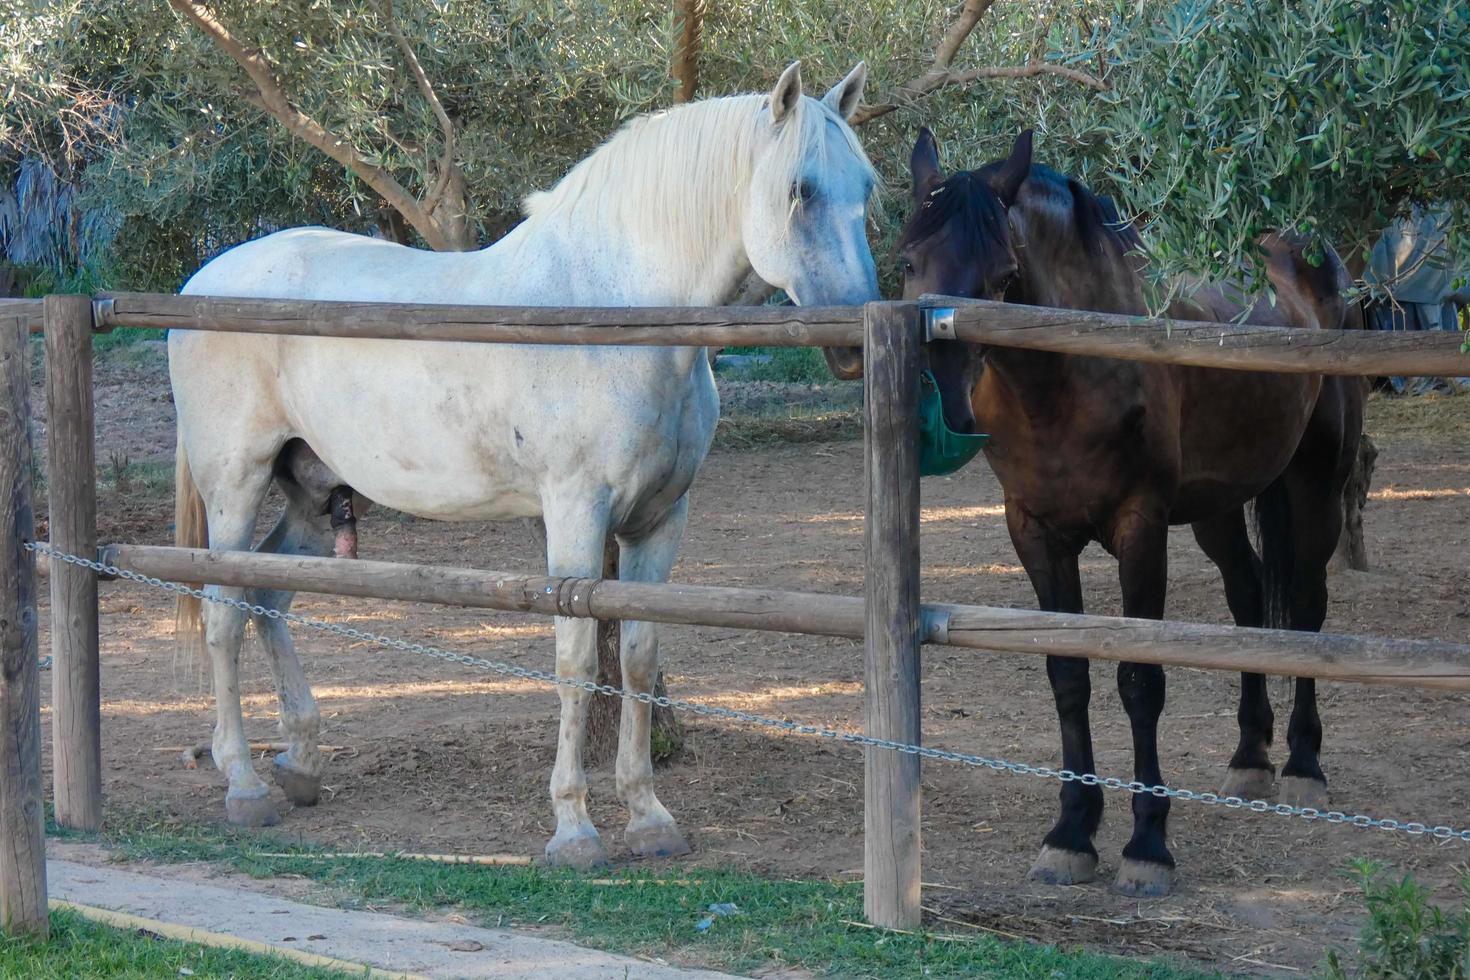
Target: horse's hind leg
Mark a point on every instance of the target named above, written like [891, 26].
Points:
[1067, 856]
[646, 558]
[1225, 540]
[1139, 539]
[1316, 510]
[233, 500]
[1314, 482]
[575, 536]
[298, 770]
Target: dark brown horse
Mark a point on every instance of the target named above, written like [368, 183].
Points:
[1113, 451]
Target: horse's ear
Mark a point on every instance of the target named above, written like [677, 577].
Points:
[787, 92]
[924, 165]
[1006, 180]
[846, 94]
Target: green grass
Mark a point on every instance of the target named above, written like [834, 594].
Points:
[118, 472]
[813, 925]
[793, 365]
[81, 948]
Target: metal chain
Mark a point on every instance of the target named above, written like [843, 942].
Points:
[1413, 828]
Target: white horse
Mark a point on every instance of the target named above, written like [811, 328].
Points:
[675, 209]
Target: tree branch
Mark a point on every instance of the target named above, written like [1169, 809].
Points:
[940, 74]
[964, 25]
[1026, 71]
[686, 55]
[447, 164]
[272, 97]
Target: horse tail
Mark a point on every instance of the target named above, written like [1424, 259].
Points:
[191, 530]
[1278, 554]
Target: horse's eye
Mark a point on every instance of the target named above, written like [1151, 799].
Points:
[907, 267]
[803, 191]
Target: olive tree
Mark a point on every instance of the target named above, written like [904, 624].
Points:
[1326, 117]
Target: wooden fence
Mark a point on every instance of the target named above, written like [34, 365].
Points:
[890, 616]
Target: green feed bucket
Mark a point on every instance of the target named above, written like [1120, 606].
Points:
[941, 449]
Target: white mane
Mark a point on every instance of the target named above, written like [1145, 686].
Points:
[681, 173]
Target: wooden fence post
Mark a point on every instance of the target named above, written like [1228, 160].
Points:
[76, 724]
[22, 830]
[893, 618]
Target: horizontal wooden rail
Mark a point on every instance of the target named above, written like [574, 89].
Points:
[788, 612]
[653, 326]
[1214, 345]
[1359, 659]
[1219, 345]
[28, 311]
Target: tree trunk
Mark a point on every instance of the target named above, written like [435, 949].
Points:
[605, 712]
[451, 214]
[686, 52]
[1351, 549]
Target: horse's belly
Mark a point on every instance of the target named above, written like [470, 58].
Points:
[1238, 432]
[470, 432]
[426, 472]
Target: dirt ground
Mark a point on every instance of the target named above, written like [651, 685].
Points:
[444, 759]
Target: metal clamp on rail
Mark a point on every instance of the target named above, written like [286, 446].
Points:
[107, 556]
[102, 314]
[935, 625]
[938, 323]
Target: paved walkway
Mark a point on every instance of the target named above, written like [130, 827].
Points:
[388, 942]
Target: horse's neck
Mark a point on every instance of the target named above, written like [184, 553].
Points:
[685, 247]
[1032, 380]
[627, 267]
[1029, 379]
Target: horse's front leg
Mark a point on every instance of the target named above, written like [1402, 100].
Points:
[575, 537]
[646, 558]
[1140, 542]
[1067, 855]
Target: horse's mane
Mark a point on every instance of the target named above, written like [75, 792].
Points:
[675, 172]
[1095, 219]
[963, 198]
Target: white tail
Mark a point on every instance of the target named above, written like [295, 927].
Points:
[191, 530]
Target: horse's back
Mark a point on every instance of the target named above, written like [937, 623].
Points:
[325, 264]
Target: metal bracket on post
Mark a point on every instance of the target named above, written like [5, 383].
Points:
[102, 310]
[938, 323]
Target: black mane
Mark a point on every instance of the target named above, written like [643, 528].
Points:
[1095, 218]
[967, 199]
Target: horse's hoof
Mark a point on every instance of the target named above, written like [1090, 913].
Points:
[301, 788]
[1143, 879]
[1249, 784]
[576, 852]
[1055, 866]
[1304, 791]
[251, 809]
[657, 841]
